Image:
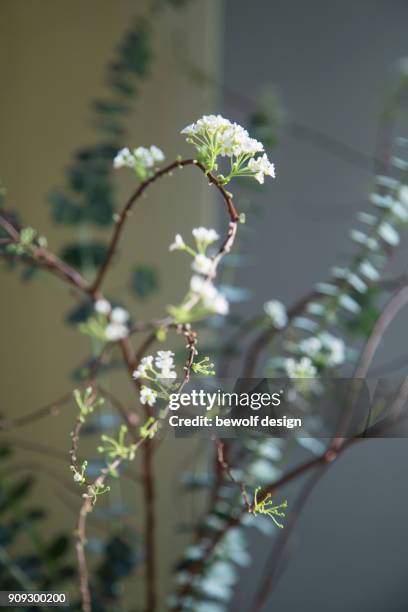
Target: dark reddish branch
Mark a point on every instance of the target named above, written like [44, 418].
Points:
[150, 525]
[46, 259]
[225, 468]
[138, 193]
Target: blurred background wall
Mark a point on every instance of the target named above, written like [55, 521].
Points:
[332, 63]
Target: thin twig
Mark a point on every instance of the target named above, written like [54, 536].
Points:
[120, 224]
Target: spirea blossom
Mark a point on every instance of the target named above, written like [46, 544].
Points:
[261, 167]
[303, 368]
[215, 136]
[141, 159]
[204, 235]
[336, 349]
[213, 300]
[311, 346]
[276, 311]
[116, 331]
[229, 138]
[325, 347]
[164, 362]
[119, 315]
[124, 159]
[202, 264]
[202, 287]
[178, 244]
[148, 396]
[102, 306]
[154, 368]
[218, 305]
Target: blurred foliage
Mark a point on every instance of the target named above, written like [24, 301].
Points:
[29, 560]
[144, 281]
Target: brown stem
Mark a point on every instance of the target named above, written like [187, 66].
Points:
[222, 462]
[86, 508]
[137, 194]
[150, 527]
[41, 256]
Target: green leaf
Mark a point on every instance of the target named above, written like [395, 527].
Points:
[92, 253]
[58, 547]
[362, 324]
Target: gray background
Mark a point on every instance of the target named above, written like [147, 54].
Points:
[331, 61]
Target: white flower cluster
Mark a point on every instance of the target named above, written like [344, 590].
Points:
[213, 300]
[324, 347]
[261, 167]
[276, 311]
[202, 286]
[214, 136]
[141, 159]
[160, 370]
[117, 320]
[303, 368]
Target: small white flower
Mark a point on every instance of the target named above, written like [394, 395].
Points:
[124, 159]
[178, 244]
[145, 364]
[203, 287]
[157, 154]
[167, 374]
[148, 396]
[116, 331]
[300, 369]
[208, 124]
[119, 315]
[78, 477]
[227, 138]
[335, 348]
[261, 166]
[218, 304]
[276, 311]
[337, 356]
[164, 360]
[143, 157]
[311, 346]
[202, 234]
[102, 306]
[165, 363]
[140, 158]
[147, 361]
[403, 195]
[202, 264]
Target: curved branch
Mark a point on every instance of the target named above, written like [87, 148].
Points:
[44, 258]
[138, 193]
